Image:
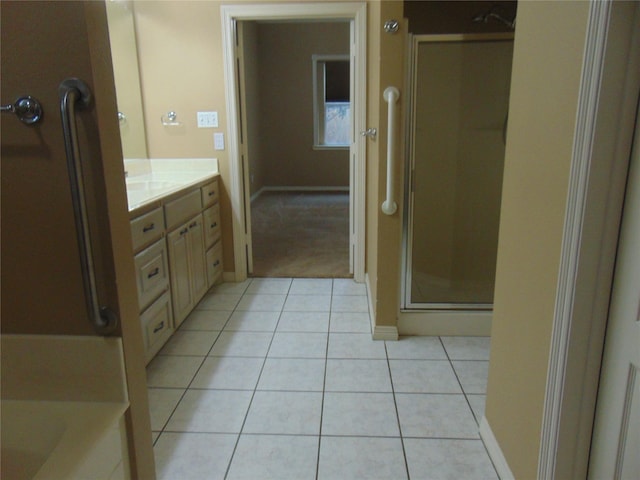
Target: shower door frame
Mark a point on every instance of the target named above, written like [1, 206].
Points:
[407, 228]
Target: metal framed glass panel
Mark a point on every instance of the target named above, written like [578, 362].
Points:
[457, 129]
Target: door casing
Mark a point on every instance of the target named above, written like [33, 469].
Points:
[354, 12]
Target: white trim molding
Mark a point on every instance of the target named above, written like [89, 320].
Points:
[385, 332]
[356, 12]
[297, 189]
[593, 64]
[494, 451]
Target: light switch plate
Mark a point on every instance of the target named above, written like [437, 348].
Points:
[207, 119]
[218, 141]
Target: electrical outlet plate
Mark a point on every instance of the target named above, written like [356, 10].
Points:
[218, 141]
[207, 119]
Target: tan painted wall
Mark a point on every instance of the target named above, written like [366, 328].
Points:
[42, 289]
[124, 53]
[286, 104]
[387, 63]
[180, 60]
[547, 65]
[173, 38]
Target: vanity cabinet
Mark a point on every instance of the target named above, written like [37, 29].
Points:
[152, 279]
[188, 268]
[212, 233]
[178, 257]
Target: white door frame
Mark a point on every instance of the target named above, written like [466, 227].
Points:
[356, 13]
[602, 143]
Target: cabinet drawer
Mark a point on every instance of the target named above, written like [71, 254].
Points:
[209, 193]
[183, 208]
[147, 228]
[214, 263]
[157, 325]
[211, 225]
[152, 272]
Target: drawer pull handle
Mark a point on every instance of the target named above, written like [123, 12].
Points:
[214, 224]
[148, 228]
[183, 231]
[194, 224]
[159, 327]
[153, 272]
[212, 193]
[216, 263]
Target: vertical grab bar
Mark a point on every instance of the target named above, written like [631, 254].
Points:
[72, 92]
[391, 95]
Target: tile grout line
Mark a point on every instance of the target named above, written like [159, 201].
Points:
[395, 404]
[324, 382]
[253, 394]
[186, 389]
[468, 403]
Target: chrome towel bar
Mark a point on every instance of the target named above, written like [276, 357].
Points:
[72, 92]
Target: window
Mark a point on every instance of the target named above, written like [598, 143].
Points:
[331, 103]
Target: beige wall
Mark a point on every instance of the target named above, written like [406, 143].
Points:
[180, 60]
[42, 290]
[286, 104]
[173, 39]
[548, 52]
[386, 68]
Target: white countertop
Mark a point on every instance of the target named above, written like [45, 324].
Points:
[143, 189]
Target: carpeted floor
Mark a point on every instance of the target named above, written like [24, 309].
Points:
[300, 234]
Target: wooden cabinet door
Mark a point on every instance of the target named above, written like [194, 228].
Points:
[197, 258]
[178, 244]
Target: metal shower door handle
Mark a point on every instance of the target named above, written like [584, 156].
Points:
[72, 92]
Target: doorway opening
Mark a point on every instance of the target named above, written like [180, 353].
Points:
[294, 83]
[235, 19]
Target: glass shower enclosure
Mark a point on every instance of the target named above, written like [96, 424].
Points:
[457, 134]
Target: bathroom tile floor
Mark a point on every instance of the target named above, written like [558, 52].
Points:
[279, 379]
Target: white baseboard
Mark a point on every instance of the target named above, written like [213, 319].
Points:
[385, 332]
[494, 450]
[378, 332]
[298, 189]
[372, 312]
[228, 277]
[257, 194]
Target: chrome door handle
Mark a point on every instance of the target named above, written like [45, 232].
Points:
[369, 132]
[74, 92]
[26, 108]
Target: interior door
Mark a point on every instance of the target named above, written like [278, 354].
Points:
[616, 437]
[44, 43]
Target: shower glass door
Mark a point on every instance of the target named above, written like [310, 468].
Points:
[458, 123]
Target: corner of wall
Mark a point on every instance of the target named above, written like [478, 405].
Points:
[494, 450]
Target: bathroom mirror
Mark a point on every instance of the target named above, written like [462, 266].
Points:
[124, 52]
